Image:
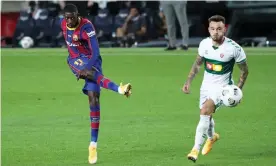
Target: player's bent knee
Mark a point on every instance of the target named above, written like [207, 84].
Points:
[208, 107]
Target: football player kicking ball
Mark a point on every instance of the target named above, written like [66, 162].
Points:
[219, 55]
[86, 63]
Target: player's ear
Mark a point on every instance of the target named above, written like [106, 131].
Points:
[224, 29]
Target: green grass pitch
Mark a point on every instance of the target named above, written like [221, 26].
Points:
[45, 116]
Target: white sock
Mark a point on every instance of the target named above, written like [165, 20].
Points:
[211, 129]
[120, 90]
[201, 130]
[93, 144]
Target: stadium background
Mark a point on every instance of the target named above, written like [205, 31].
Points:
[45, 116]
[250, 23]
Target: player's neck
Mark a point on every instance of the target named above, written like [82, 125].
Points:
[218, 43]
[78, 22]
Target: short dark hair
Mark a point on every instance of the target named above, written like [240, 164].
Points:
[70, 8]
[217, 18]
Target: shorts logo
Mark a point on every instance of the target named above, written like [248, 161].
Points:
[213, 67]
[221, 55]
[75, 37]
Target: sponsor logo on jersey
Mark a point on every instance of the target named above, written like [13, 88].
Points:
[72, 44]
[90, 34]
[213, 67]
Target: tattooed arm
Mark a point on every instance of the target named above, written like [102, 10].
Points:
[244, 73]
[194, 70]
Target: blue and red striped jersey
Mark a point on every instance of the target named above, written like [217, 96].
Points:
[82, 40]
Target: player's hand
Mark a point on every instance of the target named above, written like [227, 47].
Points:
[82, 74]
[186, 88]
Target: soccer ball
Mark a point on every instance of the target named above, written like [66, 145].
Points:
[231, 95]
[26, 42]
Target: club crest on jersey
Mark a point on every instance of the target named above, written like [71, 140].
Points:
[75, 37]
[221, 55]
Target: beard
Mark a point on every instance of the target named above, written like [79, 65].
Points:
[217, 38]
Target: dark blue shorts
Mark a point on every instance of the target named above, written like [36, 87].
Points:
[77, 64]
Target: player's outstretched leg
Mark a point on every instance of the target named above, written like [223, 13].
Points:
[212, 138]
[202, 127]
[104, 82]
[94, 105]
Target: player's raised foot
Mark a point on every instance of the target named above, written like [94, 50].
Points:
[209, 144]
[193, 155]
[125, 89]
[92, 158]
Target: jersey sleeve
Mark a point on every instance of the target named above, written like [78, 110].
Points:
[201, 49]
[239, 55]
[60, 22]
[89, 34]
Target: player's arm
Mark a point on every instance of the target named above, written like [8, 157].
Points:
[89, 34]
[240, 59]
[243, 73]
[195, 68]
[198, 62]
